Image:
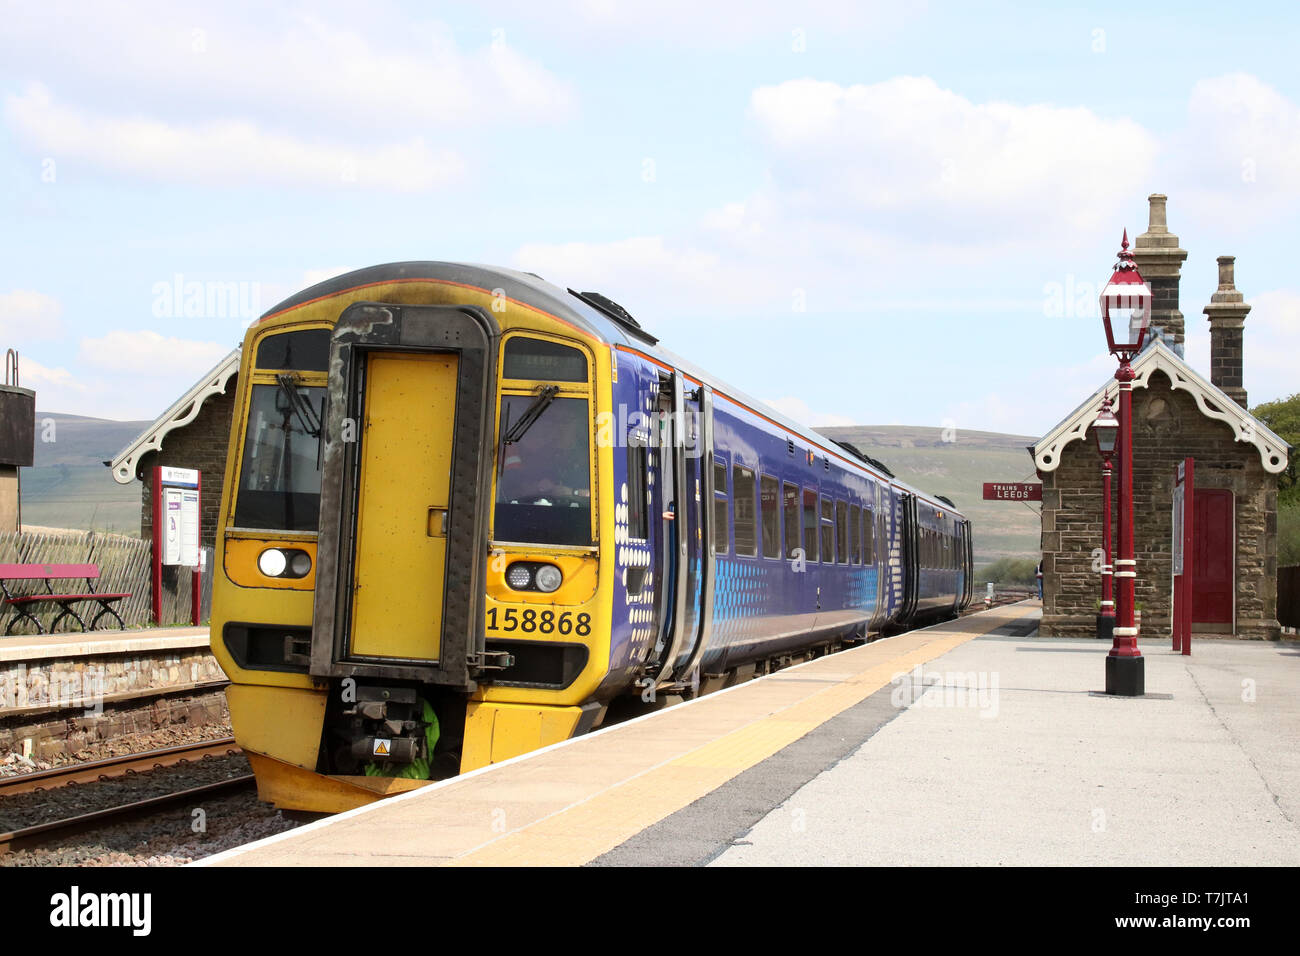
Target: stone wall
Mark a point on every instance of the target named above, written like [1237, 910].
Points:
[201, 444]
[59, 704]
[1168, 427]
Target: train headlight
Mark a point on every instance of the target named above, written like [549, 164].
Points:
[519, 577]
[284, 563]
[272, 562]
[548, 578]
[300, 564]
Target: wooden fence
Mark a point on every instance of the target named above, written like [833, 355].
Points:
[124, 565]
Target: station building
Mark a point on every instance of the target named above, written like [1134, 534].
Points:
[1177, 413]
[193, 433]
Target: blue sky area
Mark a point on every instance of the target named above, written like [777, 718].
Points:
[859, 212]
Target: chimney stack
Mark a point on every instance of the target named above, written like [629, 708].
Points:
[1227, 315]
[1160, 262]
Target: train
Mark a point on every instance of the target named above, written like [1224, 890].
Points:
[467, 514]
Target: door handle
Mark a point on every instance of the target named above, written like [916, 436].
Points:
[437, 526]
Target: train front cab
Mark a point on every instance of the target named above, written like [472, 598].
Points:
[393, 595]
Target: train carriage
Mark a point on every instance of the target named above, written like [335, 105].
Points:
[467, 511]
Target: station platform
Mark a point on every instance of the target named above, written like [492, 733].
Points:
[971, 742]
[71, 644]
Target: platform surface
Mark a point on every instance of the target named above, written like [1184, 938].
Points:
[962, 743]
[36, 647]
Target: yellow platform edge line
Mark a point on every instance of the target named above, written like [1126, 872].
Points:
[580, 833]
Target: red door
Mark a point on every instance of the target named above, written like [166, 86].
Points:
[1214, 549]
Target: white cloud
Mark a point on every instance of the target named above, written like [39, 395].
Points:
[1271, 343]
[384, 71]
[799, 410]
[1239, 156]
[918, 160]
[221, 151]
[647, 273]
[27, 315]
[147, 354]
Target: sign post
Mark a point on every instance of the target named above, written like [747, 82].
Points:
[1184, 583]
[1013, 491]
[176, 526]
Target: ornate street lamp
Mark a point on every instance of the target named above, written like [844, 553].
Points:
[1126, 312]
[1105, 432]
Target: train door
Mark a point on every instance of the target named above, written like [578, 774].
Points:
[685, 556]
[402, 553]
[402, 503]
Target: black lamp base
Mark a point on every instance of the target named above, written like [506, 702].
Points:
[1125, 676]
[1106, 627]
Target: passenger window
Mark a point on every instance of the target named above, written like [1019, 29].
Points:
[842, 531]
[742, 491]
[811, 522]
[721, 520]
[855, 532]
[828, 531]
[637, 522]
[790, 494]
[868, 536]
[770, 505]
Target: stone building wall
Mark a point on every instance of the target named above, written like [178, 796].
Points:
[1168, 426]
[201, 444]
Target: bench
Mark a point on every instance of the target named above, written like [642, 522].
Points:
[23, 603]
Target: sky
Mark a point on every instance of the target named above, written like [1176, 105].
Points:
[864, 213]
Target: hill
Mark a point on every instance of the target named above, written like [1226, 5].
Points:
[958, 469]
[68, 485]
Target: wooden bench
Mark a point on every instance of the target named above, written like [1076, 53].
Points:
[22, 603]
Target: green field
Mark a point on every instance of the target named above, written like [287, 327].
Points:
[958, 469]
[70, 487]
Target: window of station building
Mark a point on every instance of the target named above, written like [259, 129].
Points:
[637, 468]
[721, 531]
[742, 492]
[855, 534]
[828, 531]
[868, 536]
[304, 350]
[811, 522]
[770, 508]
[540, 360]
[842, 531]
[790, 506]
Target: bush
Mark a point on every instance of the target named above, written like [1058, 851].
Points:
[1288, 534]
[1008, 571]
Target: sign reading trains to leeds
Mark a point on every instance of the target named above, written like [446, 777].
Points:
[1012, 491]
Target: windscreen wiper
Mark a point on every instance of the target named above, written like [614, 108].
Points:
[545, 395]
[298, 403]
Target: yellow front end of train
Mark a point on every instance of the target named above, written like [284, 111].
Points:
[408, 579]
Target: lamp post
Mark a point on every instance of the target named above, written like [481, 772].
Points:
[1126, 312]
[1105, 432]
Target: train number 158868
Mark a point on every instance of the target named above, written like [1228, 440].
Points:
[531, 621]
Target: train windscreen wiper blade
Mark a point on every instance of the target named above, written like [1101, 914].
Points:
[545, 395]
[301, 408]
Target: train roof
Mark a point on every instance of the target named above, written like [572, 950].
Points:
[591, 313]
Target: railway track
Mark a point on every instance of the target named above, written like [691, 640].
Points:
[38, 834]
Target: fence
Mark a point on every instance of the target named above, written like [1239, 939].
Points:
[1288, 596]
[124, 566]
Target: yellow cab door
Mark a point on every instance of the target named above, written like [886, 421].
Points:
[403, 498]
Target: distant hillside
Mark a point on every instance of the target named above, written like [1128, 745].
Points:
[69, 486]
[958, 469]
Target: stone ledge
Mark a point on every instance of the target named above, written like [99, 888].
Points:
[44, 647]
